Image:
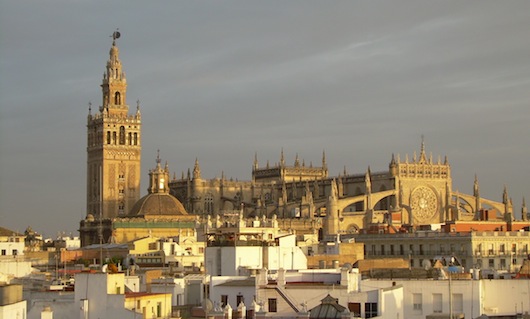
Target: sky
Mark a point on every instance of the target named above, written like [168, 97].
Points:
[223, 81]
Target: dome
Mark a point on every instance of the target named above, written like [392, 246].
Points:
[154, 204]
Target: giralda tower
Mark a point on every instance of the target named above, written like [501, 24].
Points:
[113, 146]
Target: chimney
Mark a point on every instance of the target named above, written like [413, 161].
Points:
[46, 313]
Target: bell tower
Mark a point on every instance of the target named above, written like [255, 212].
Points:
[113, 146]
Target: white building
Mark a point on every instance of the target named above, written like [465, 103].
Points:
[12, 306]
[473, 298]
[102, 295]
[11, 243]
[291, 293]
[236, 248]
[187, 290]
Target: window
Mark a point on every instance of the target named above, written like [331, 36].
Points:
[383, 250]
[4, 252]
[401, 250]
[421, 249]
[355, 308]
[117, 98]
[502, 249]
[514, 248]
[391, 249]
[503, 264]
[490, 249]
[491, 263]
[240, 299]
[458, 303]
[15, 252]
[122, 135]
[135, 138]
[416, 303]
[273, 307]
[108, 137]
[130, 138]
[208, 203]
[437, 303]
[224, 300]
[370, 309]
[114, 138]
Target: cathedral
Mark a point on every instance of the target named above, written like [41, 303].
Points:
[413, 192]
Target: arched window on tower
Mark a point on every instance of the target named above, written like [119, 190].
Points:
[135, 138]
[117, 98]
[114, 138]
[130, 138]
[122, 135]
[108, 137]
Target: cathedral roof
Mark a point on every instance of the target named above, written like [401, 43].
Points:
[153, 204]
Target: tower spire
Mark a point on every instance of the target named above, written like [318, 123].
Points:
[196, 170]
[423, 157]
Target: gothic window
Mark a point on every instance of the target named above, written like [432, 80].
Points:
[135, 138]
[268, 198]
[114, 138]
[383, 203]
[359, 206]
[108, 137]
[122, 135]
[237, 199]
[117, 98]
[130, 138]
[208, 203]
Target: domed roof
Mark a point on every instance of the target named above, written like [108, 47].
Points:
[158, 204]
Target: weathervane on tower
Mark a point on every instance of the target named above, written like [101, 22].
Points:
[115, 35]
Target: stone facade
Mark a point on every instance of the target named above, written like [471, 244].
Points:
[412, 192]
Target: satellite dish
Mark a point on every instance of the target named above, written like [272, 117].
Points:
[207, 305]
[426, 263]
